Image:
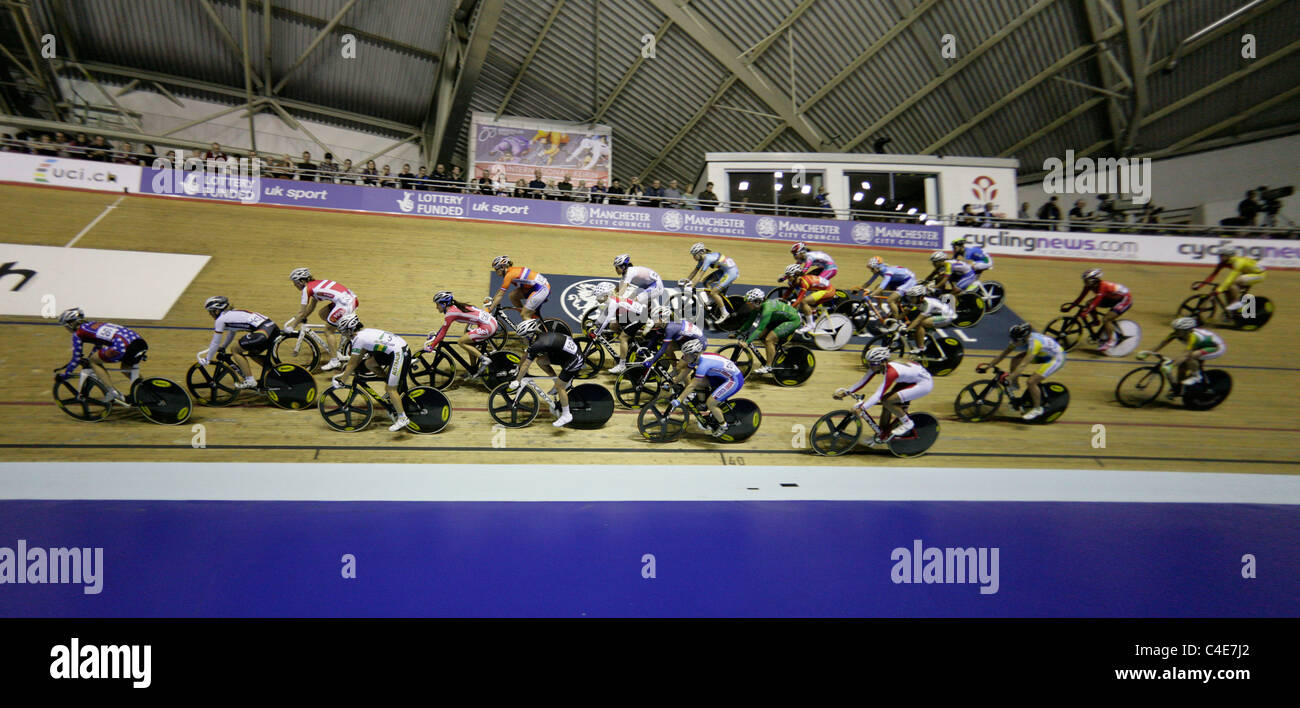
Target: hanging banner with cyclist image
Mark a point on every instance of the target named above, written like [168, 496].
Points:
[509, 149]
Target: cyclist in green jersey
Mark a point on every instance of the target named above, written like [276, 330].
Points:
[772, 320]
[1201, 343]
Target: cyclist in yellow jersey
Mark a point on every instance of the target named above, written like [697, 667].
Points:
[1242, 272]
[1202, 344]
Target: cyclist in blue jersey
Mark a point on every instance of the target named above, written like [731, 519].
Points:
[894, 280]
[1040, 357]
[706, 260]
[710, 371]
[111, 344]
[951, 274]
[975, 257]
[676, 334]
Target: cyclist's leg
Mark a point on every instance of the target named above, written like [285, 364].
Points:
[105, 355]
[538, 295]
[136, 352]
[1044, 370]
[721, 394]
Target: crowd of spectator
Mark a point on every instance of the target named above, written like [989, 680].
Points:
[1105, 216]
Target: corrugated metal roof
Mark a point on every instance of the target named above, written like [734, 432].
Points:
[652, 115]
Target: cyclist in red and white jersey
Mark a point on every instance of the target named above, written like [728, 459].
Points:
[625, 314]
[479, 327]
[1108, 294]
[259, 332]
[341, 303]
[902, 382]
[814, 262]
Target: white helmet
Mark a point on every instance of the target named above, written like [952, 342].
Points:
[604, 290]
[878, 355]
[72, 318]
[662, 313]
[300, 275]
[916, 291]
[621, 262]
[529, 328]
[1183, 324]
[754, 295]
[501, 262]
[697, 249]
[694, 346]
[220, 303]
[793, 270]
[938, 257]
[350, 324]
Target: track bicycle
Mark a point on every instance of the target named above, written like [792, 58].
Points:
[437, 369]
[1143, 385]
[980, 400]
[219, 382]
[302, 347]
[658, 421]
[794, 363]
[940, 355]
[86, 397]
[351, 408]
[838, 432]
[1068, 331]
[1255, 312]
[591, 405]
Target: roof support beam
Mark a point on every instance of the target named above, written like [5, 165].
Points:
[320, 37]
[267, 15]
[248, 71]
[221, 90]
[26, 29]
[224, 33]
[1108, 75]
[1050, 127]
[1137, 58]
[690, 124]
[751, 55]
[117, 106]
[725, 53]
[949, 73]
[396, 144]
[213, 116]
[528, 58]
[627, 75]
[1229, 122]
[293, 123]
[442, 129]
[1230, 79]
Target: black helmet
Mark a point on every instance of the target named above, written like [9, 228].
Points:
[1020, 332]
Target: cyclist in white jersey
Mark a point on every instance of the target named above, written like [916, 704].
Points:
[340, 302]
[639, 282]
[930, 313]
[381, 352]
[903, 382]
[625, 315]
[259, 332]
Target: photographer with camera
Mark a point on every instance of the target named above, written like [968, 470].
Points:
[1272, 204]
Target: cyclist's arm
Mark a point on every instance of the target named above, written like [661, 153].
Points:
[761, 326]
[888, 379]
[437, 339]
[218, 343]
[605, 317]
[1009, 348]
[77, 345]
[1027, 359]
[1232, 276]
[663, 349]
[1164, 342]
[1092, 305]
[523, 368]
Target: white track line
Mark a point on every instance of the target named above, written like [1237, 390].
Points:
[91, 225]
[542, 483]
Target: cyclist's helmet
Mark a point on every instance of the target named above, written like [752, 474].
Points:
[72, 318]
[661, 314]
[622, 262]
[443, 298]
[350, 324]
[300, 275]
[755, 296]
[501, 262]
[938, 257]
[529, 328]
[875, 263]
[697, 249]
[1225, 254]
[959, 243]
[693, 347]
[1020, 332]
[878, 356]
[1184, 324]
[793, 270]
[604, 290]
[916, 292]
[216, 305]
[1091, 274]
[798, 248]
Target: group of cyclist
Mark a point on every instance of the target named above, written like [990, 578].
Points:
[634, 308]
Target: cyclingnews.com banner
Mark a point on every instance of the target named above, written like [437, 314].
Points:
[510, 149]
[1090, 245]
[68, 172]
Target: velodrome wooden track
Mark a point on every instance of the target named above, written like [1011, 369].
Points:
[396, 263]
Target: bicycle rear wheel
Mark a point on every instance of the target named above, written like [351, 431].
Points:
[427, 409]
[161, 401]
[925, 430]
[289, 386]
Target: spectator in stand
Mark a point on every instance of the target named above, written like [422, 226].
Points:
[457, 179]
[214, 153]
[307, 171]
[824, 202]
[1049, 212]
[1248, 209]
[286, 167]
[123, 155]
[329, 169]
[7, 144]
[743, 207]
[406, 178]
[672, 195]
[566, 189]
[1106, 209]
[537, 187]
[369, 174]
[440, 178]
[147, 156]
[1150, 217]
[484, 183]
[1078, 217]
[616, 193]
[967, 217]
[1024, 214]
[599, 192]
[552, 192]
[100, 150]
[654, 195]
[988, 217]
[690, 202]
[422, 180]
[583, 192]
[521, 189]
[635, 192]
[387, 178]
[255, 164]
[47, 147]
[347, 173]
[708, 200]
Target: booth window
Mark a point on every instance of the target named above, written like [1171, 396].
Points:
[901, 193]
[775, 192]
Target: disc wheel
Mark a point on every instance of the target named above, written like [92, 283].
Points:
[161, 401]
[90, 402]
[835, 433]
[978, 401]
[346, 410]
[427, 409]
[289, 386]
[1140, 386]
